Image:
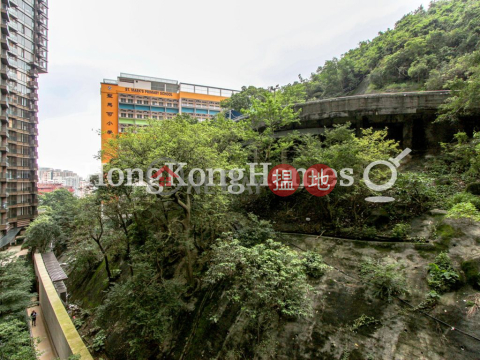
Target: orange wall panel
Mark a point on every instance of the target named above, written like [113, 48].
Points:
[109, 113]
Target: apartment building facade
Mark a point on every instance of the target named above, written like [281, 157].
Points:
[133, 99]
[24, 30]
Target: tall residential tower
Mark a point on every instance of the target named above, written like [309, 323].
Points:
[24, 56]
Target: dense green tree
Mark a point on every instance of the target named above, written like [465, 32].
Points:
[15, 282]
[466, 98]
[42, 233]
[15, 296]
[266, 117]
[341, 149]
[244, 99]
[15, 341]
[61, 206]
[267, 280]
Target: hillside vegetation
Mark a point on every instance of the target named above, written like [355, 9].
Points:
[434, 49]
[426, 50]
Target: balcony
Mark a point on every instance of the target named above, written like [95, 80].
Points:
[4, 71]
[13, 25]
[14, 38]
[42, 30]
[33, 84]
[5, 14]
[42, 20]
[13, 13]
[4, 42]
[4, 26]
[14, 2]
[42, 9]
[33, 73]
[4, 86]
[4, 101]
[5, 57]
[33, 96]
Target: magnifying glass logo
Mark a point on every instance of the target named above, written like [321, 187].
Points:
[392, 164]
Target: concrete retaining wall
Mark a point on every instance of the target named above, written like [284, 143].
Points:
[373, 104]
[63, 334]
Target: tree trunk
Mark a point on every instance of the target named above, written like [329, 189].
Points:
[105, 257]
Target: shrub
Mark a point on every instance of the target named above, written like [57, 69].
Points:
[369, 231]
[431, 300]
[387, 279]
[463, 197]
[98, 343]
[78, 323]
[442, 277]
[400, 231]
[464, 210]
[314, 265]
[363, 321]
[15, 342]
[267, 278]
[256, 232]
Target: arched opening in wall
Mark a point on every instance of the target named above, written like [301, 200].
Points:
[395, 132]
[419, 140]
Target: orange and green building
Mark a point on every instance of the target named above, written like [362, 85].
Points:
[133, 99]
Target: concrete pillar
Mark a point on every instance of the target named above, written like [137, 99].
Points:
[407, 133]
[358, 125]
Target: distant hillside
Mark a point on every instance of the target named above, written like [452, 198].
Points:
[426, 50]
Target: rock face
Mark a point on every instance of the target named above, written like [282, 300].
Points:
[340, 298]
[401, 332]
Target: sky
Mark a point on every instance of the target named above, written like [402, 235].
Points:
[218, 43]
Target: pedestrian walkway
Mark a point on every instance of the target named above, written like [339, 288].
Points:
[44, 347]
[17, 250]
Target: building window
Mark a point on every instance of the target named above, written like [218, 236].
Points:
[130, 115]
[154, 103]
[145, 102]
[130, 101]
[139, 102]
[123, 115]
[154, 117]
